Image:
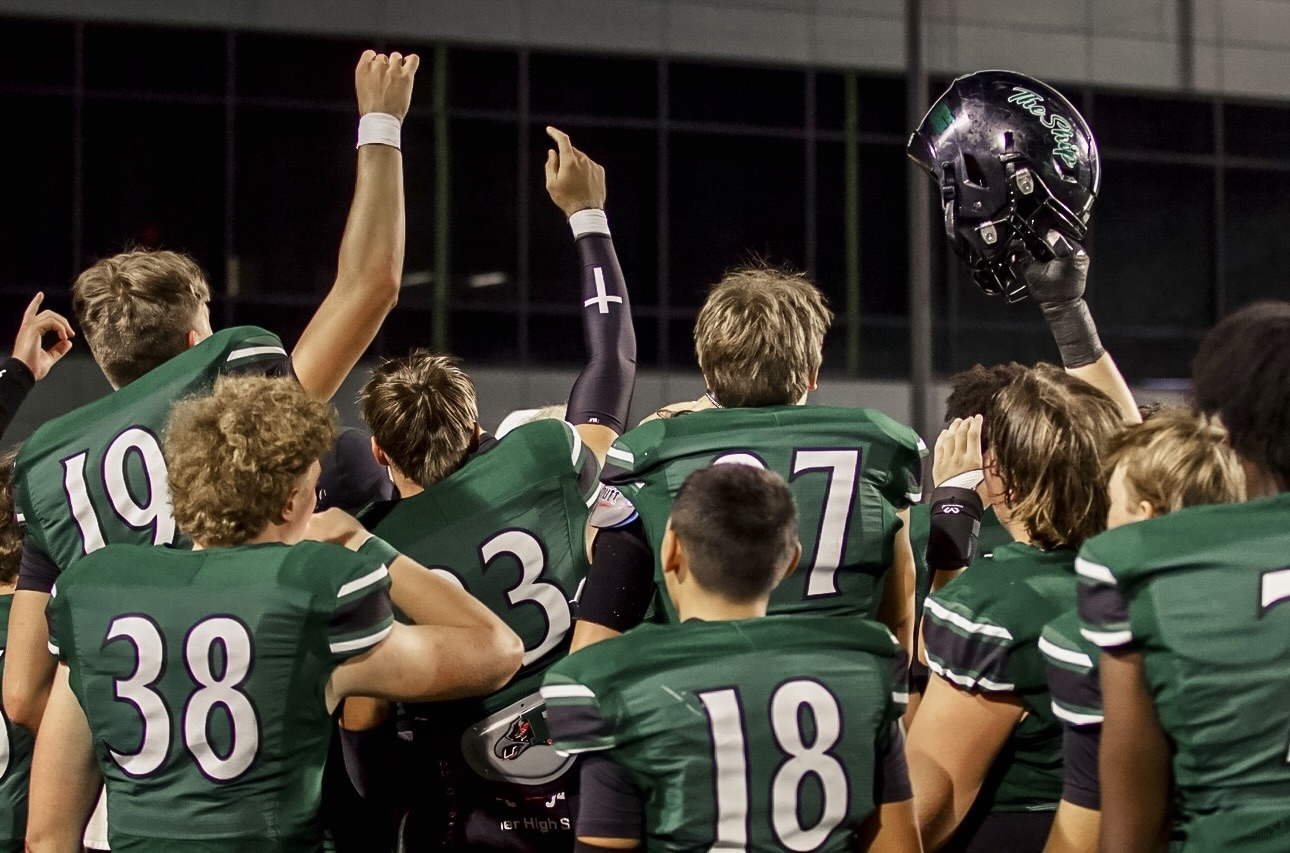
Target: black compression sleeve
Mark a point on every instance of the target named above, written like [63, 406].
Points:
[891, 782]
[602, 393]
[16, 383]
[372, 760]
[38, 572]
[1080, 783]
[956, 524]
[620, 584]
[610, 806]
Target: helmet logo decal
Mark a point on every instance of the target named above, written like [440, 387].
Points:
[1061, 129]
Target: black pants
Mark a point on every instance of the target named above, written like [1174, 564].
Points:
[1002, 832]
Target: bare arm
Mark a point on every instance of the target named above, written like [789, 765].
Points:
[65, 779]
[955, 738]
[371, 250]
[1133, 760]
[891, 829]
[29, 667]
[1075, 829]
[1105, 376]
[896, 609]
[589, 633]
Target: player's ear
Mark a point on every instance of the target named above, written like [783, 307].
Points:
[815, 382]
[379, 454]
[670, 554]
[792, 565]
[474, 441]
[1146, 510]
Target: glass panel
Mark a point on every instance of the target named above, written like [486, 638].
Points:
[482, 79]
[150, 59]
[734, 199]
[484, 221]
[36, 217]
[728, 94]
[594, 86]
[1257, 236]
[1157, 124]
[280, 66]
[143, 189]
[36, 52]
[1257, 131]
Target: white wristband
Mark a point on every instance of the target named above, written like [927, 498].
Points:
[379, 129]
[966, 480]
[589, 221]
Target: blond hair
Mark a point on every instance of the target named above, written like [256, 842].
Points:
[760, 337]
[136, 310]
[422, 411]
[1049, 433]
[1177, 458]
[235, 457]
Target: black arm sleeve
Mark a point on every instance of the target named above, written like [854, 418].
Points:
[620, 584]
[602, 393]
[891, 775]
[609, 804]
[1080, 784]
[956, 524]
[16, 383]
[372, 760]
[38, 572]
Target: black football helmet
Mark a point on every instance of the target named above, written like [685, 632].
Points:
[1014, 161]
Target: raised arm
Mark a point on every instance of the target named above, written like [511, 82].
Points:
[602, 394]
[31, 359]
[371, 251]
[1058, 287]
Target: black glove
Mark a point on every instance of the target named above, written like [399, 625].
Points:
[1058, 287]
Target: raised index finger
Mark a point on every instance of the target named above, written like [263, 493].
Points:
[33, 307]
[561, 141]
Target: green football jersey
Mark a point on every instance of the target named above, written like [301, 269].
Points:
[96, 476]
[1204, 595]
[1072, 672]
[15, 760]
[850, 470]
[982, 633]
[920, 530]
[757, 734]
[203, 676]
[510, 527]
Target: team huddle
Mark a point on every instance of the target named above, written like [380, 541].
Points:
[230, 625]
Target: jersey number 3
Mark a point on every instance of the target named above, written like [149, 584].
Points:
[212, 691]
[730, 765]
[154, 512]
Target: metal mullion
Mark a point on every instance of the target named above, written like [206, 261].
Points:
[810, 177]
[232, 266]
[664, 217]
[1220, 205]
[78, 146]
[522, 230]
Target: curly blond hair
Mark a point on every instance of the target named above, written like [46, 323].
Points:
[10, 529]
[235, 456]
[1177, 458]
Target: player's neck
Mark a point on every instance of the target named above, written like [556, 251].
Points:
[405, 487]
[699, 604]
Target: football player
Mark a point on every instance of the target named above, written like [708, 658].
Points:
[729, 729]
[854, 472]
[984, 747]
[201, 683]
[509, 518]
[31, 360]
[97, 475]
[15, 741]
[1192, 612]
[1172, 460]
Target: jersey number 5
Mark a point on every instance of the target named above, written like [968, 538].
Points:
[155, 511]
[730, 765]
[213, 691]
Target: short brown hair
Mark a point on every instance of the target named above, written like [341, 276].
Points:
[760, 337]
[1049, 435]
[422, 411]
[1176, 459]
[235, 456]
[136, 310]
[10, 529]
[738, 526]
[973, 391]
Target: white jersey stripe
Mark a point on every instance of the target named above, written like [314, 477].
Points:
[1056, 652]
[567, 691]
[621, 455]
[1075, 718]
[361, 642]
[945, 614]
[1107, 639]
[969, 681]
[248, 352]
[374, 576]
[1093, 571]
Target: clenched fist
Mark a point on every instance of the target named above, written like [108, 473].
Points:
[573, 180]
[384, 83]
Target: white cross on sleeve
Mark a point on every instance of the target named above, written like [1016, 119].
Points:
[602, 297]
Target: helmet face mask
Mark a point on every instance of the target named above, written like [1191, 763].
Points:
[1014, 161]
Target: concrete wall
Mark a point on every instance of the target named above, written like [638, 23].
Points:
[78, 381]
[1238, 47]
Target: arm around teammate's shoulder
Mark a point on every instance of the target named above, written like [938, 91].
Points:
[29, 667]
[64, 775]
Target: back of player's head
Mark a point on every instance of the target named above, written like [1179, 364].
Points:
[973, 391]
[1176, 459]
[738, 527]
[10, 529]
[136, 310]
[235, 457]
[1242, 374]
[760, 337]
[1049, 435]
[422, 411]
